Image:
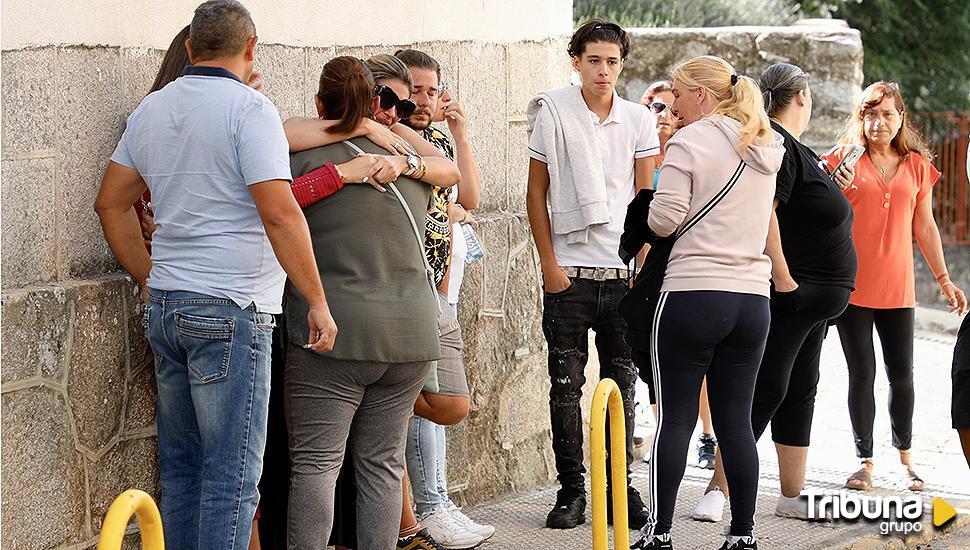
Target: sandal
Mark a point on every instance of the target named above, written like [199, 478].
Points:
[864, 476]
[912, 481]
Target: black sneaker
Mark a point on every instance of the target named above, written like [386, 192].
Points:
[570, 509]
[421, 540]
[637, 513]
[745, 543]
[653, 544]
[706, 452]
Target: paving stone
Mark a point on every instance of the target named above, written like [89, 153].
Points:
[42, 477]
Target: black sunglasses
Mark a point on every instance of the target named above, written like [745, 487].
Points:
[658, 107]
[405, 107]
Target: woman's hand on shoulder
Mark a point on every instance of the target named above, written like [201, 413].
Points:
[361, 169]
[388, 168]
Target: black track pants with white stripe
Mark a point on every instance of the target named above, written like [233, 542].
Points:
[721, 335]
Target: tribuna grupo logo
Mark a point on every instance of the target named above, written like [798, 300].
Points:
[894, 514]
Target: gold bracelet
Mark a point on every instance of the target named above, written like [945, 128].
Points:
[340, 174]
[422, 170]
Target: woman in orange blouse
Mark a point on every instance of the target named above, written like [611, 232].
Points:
[891, 196]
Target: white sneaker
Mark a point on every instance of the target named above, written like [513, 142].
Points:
[797, 507]
[485, 531]
[445, 529]
[710, 507]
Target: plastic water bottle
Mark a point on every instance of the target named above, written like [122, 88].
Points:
[475, 251]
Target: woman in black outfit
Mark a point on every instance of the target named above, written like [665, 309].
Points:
[813, 273]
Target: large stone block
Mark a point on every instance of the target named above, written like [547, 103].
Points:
[29, 117]
[519, 160]
[139, 67]
[90, 119]
[140, 407]
[482, 90]
[131, 464]
[374, 49]
[534, 67]
[139, 353]
[96, 380]
[36, 327]
[284, 72]
[29, 231]
[43, 489]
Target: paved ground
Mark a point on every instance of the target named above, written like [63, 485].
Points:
[939, 460]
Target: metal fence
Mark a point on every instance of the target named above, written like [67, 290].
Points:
[947, 134]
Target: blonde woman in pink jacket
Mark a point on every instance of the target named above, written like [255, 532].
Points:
[712, 315]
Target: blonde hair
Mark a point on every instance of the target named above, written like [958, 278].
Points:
[738, 97]
[387, 67]
[907, 140]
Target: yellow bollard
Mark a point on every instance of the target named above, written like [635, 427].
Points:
[132, 503]
[608, 394]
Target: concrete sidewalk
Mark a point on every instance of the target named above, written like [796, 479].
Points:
[519, 519]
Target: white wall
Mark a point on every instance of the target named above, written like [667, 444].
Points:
[152, 23]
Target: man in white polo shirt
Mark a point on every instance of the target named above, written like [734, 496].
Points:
[213, 153]
[590, 150]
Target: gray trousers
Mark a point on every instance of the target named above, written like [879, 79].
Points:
[328, 401]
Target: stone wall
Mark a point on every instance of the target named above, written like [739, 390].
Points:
[829, 51]
[77, 385]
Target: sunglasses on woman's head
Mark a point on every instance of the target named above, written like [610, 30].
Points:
[658, 107]
[405, 107]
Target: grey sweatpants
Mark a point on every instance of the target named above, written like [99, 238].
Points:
[328, 400]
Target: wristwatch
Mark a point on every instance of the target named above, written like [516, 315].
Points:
[414, 162]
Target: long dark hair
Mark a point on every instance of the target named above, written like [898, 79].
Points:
[174, 62]
[346, 90]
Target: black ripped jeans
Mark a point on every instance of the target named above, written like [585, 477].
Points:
[567, 317]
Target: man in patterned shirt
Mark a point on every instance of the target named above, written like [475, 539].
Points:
[426, 436]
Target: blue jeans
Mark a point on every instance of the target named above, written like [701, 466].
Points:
[212, 368]
[425, 454]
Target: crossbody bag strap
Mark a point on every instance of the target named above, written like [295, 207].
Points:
[715, 200]
[414, 227]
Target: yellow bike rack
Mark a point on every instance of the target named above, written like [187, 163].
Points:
[607, 394]
[132, 503]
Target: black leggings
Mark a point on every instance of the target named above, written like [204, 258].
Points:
[788, 377]
[720, 335]
[895, 327]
